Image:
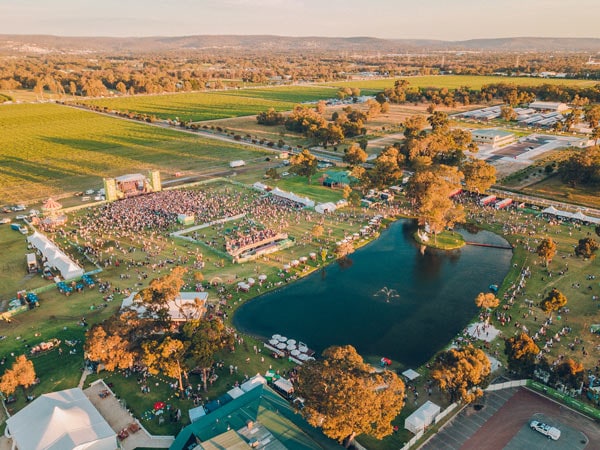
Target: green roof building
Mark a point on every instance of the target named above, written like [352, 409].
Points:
[259, 419]
[333, 178]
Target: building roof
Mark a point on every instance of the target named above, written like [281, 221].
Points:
[56, 258]
[181, 309]
[269, 412]
[339, 177]
[492, 132]
[61, 420]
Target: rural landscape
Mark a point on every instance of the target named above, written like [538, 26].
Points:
[244, 240]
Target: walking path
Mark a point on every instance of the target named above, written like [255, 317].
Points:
[119, 418]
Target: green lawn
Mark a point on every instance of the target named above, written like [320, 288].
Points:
[456, 81]
[199, 106]
[298, 185]
[49, 149]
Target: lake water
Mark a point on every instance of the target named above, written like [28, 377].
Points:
[338, 306]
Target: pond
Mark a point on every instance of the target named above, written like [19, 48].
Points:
[338, 305]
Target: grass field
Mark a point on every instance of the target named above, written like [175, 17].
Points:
[200, 106]
[456, 81]
[49, 149]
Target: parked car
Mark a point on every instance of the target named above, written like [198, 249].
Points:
[5, 210]
[89, 192]
[545, 429]
[17, 208]
[21, 217]
[5, 220]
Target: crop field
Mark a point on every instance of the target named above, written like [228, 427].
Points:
[199, 106]
[50, 149]
[456, 81]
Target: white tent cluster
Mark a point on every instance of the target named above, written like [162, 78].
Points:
[61, 420]
[572, 216]
[56, 258]
[293, 197]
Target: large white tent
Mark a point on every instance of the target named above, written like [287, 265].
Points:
[56, 258]
[187, 305]
[253, 382]
[579, 215]
[63, 420]
[293, 197]
[422, 417]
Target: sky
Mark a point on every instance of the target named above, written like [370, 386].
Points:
[401, 19]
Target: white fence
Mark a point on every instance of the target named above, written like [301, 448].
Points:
[506, 385]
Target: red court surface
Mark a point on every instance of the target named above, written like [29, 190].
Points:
[498, 431]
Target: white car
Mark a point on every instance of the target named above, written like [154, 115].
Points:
[21, 217]
[5, 220]
[546, 430]
[89, 192]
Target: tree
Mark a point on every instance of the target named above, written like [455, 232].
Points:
[439, 121]
[479, 175]
[592, 116]
[595, 134]
[304, 164]
[160, 292]
[343, 249]
[554, 301]
[386, 171]
[459, 371]
[270, 117]
[272, 173]
[429, 190]
[346, 397]
[581, 168]
[206, 337]
[570, 373]
[508, 113]
[121, 88]
[521, 351]
[587, 247]
[165, 357]
[317, 231]
[546, 250]
[486, 300]
[22, 373]
[111, 350]
[354, 155]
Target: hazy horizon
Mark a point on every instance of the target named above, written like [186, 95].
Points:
[387, 19]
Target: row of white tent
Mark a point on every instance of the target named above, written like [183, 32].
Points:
[293, 197]
[572, 216]
[55, 257]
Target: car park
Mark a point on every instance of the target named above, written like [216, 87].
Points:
[549, 431]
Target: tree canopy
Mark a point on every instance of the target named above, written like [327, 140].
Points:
[479, 175]
[21, 373]
[429, 190]
[521, 351]
[546, 250]
[486, 300]
[554, 301]
[346, 397]
[587, 247]
[459, 370]
[304, 164]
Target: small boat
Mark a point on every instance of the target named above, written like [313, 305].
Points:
[493, 288]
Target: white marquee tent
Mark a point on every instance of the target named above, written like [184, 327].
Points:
[551, 210]
[56, 258]
[253, 382]
[293, 197]
[422, 417]
[61, 420]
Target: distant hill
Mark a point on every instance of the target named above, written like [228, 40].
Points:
[40, 44]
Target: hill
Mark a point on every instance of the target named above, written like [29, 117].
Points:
[40, 44]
